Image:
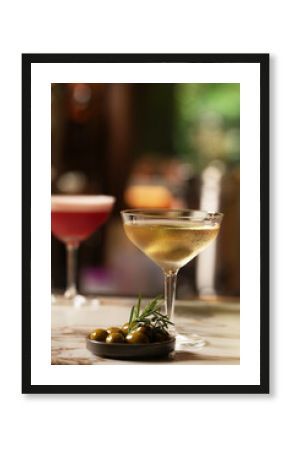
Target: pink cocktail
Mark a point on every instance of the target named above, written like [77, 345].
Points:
[73, 219]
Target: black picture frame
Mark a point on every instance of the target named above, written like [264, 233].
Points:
[263, 61]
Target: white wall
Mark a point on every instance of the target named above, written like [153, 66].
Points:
[202, 422]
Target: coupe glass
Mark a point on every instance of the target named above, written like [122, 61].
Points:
[171, 238]
[73, 219]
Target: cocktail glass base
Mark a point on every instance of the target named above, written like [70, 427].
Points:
[189, 341]
[78, 301]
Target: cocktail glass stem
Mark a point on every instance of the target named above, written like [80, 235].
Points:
[170, 277]
[71, 255]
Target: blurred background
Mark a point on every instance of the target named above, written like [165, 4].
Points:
[149, 145]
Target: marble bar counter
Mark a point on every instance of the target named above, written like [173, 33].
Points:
[218, 323]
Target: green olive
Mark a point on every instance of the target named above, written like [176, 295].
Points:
[125, 328]
[115, 338]
[160, 335]
[137, 337]
[146, 329]
[99, 335]
[114, 330]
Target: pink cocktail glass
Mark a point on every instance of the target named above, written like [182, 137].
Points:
[73, 219]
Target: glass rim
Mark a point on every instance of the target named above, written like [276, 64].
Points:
[145, 212]
[81, 203]
[78, 196]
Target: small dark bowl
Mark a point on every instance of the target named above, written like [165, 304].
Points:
[131, 351]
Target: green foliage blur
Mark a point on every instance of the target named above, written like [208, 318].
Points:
[207, 122]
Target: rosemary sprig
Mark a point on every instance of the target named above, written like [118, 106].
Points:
[150, 315]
